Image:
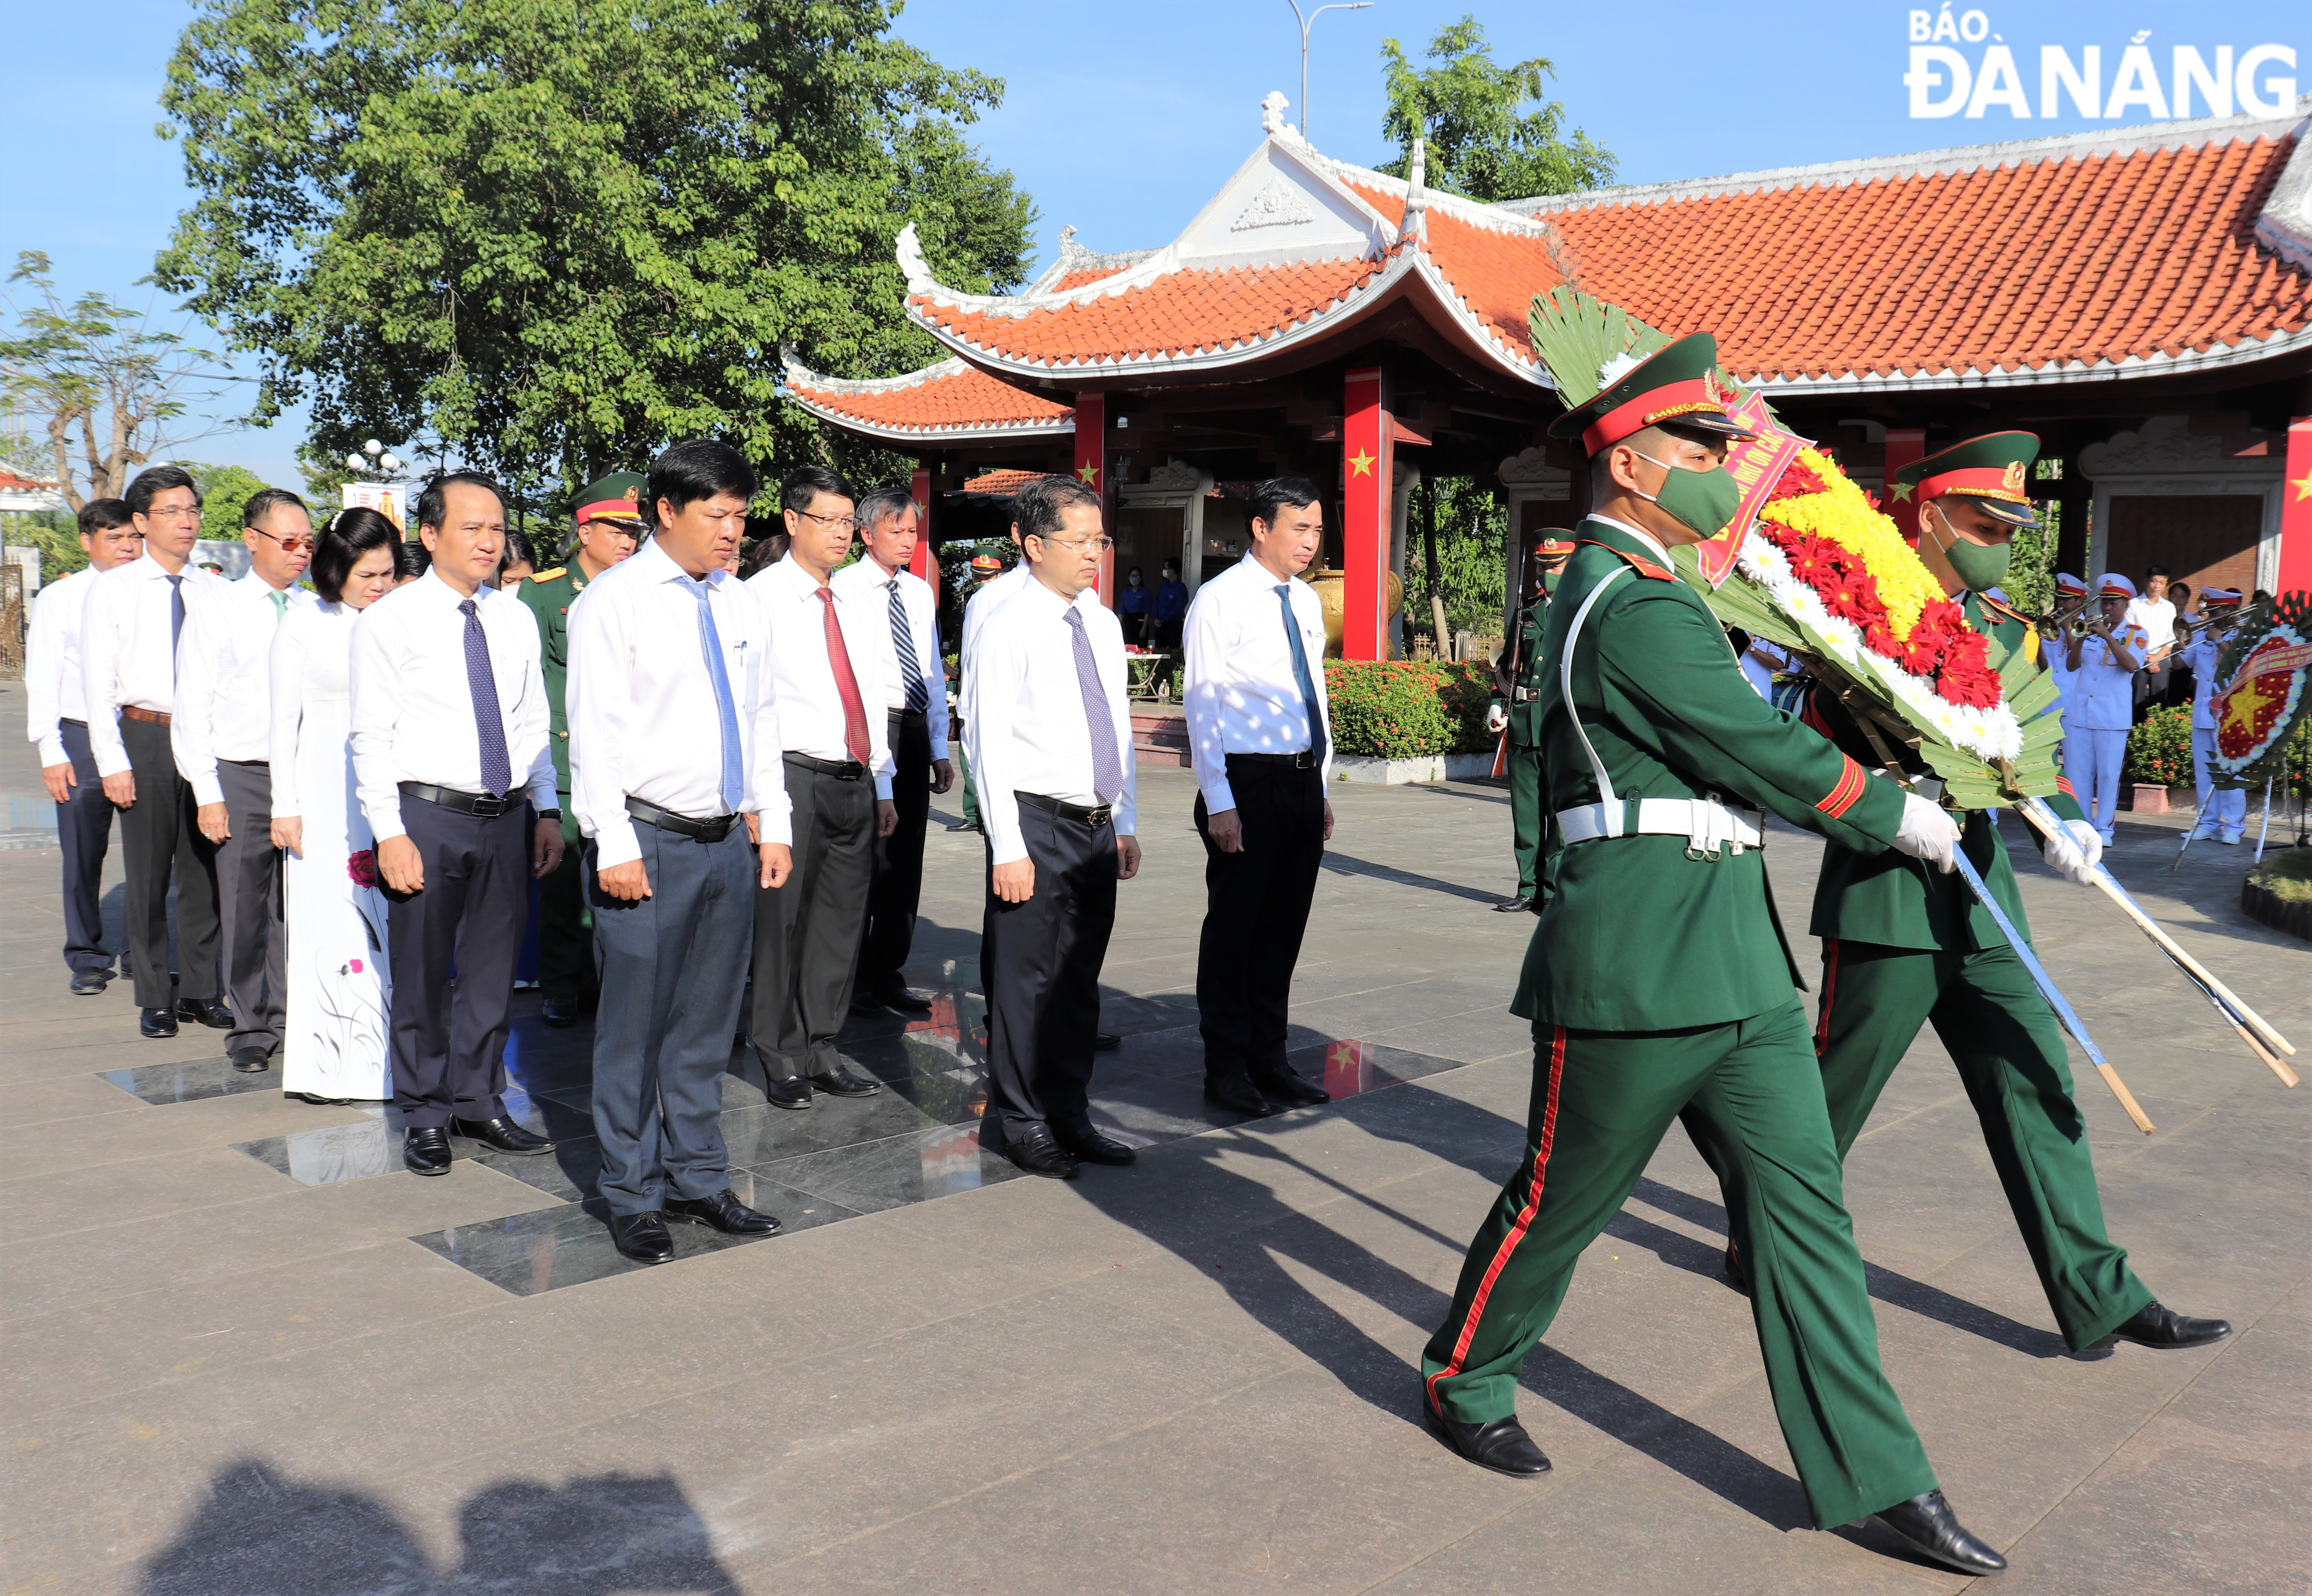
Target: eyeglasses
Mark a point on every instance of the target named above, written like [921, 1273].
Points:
[1098, 545]
[182, 513]
[833, 523]
[289, 545]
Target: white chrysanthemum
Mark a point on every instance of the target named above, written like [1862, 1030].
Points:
[1612, 370]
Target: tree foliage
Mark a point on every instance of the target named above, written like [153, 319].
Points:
[1479, 142]
[1471, 523]
[547, 236]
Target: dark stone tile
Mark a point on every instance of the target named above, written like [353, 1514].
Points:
[871, 1177]
[371, 1146]
[190, 1081]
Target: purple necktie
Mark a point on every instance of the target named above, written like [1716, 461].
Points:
[489, 725]
[1106, 767]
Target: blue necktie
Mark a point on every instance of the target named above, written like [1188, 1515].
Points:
[176, 620]
[1106, 765]
[903, 643]
[710, 643]
[489, 723]
[1317, 740]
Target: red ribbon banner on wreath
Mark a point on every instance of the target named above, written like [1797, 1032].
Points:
[1757, 464]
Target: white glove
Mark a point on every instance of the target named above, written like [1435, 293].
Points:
[2073, 850]
[1496, 717]
[1927, 832]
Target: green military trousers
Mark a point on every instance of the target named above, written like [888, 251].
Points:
[565, 927]
[2009, 1052]
[1526, 818]
[1601, 1102]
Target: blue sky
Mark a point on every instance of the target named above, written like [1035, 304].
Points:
[1121, 116]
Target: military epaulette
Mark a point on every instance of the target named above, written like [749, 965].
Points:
[547, 576]
[2005, 612]
[1637, 562]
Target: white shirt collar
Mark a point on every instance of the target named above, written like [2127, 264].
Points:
[1660, 554]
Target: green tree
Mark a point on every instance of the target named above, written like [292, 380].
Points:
[546, 236]
[1471, 522]
[226, 490]
[1479, 142]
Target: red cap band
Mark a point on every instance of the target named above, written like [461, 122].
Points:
[1976, 482]
[1666, 403]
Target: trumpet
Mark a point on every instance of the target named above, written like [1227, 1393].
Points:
[2050, 626]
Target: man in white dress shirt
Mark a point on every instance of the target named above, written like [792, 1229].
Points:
[915, 695]
[56, 708]
[448, 722]
[1047, 723]
[678, 783]
[129, 628]
[2154, 611]
[826, 668]
[221, 735]
[1255, 694]
[2223, 811]
[2101, 707]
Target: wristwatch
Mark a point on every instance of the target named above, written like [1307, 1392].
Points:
[549, 813]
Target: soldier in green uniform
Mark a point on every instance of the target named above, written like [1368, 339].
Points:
[1903, 947]
[609, 525]
[1517, 708]
[1658, 979]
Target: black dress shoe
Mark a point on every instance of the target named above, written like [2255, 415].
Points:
[561, 1013]
[156, 1022]
[864, 1006]
[426, 1151]
[1503, 1445]
[902, 1000]
[787, 1091]
[319, 1101]
[1105, 1042]
[503, 1134]
[1038, 1152]
[964, 825]
[208, 1011]
[2164, 1328]
[1087, 1143]
[89, 984]
[1236, 1095]
[641, 1237]
[836, 1081]
[250, 1061]
[1512, 905]
[723, 1212]
[1292, 1090]
[1927, 1525]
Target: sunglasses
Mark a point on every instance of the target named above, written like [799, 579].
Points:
[289, 545]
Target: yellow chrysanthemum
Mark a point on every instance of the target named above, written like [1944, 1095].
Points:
[1843, 516]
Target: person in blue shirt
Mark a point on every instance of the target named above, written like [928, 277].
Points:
[1171, 606]
[1132, 608]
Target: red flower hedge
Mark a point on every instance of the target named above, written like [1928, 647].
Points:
[1407, 709]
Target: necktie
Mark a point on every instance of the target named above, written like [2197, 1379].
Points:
[176, 620]
[280, 605]
[846, 686]
[1317, 738]
[903, 644]
[1106, 767]
[710, 643]
[482, 687]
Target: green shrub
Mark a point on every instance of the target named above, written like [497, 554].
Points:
[2286, 874]
[1399, 709]
[2159, 748]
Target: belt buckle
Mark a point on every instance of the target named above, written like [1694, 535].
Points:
[489, 806]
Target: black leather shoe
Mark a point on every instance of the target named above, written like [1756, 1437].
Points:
[902, 1000]
[1087, 1143]
[88, 983]
[1038, 1152]
[208, 1011]
[1503, 1445]
[1293, 1091]
[864, 1006]
[723, 1212]
[1928, 1526]
[250, 1061]
[156, 1022]
[318, 1102]
[503, 1134]
[1237, 1095]
[561, 1013]
[836, 1081]
[1512, 905]
[2164, 1328]
[964, 825]
[426, 1151]
[1105, 1042]
[787, 1091]
[641, 1237]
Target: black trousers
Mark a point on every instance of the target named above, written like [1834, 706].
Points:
[1256, 910]
[475, 904]
[807, 931]
[256, 943]
[899, 858]
[160, 844]
[1040, 961]
[566, 931]
[85, 833]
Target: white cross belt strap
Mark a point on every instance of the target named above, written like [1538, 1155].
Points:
[1709, 826]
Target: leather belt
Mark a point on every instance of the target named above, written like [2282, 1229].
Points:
[1707, 825]
[1526, 694]
[1092, 815]
[842, 770]
[1306, 760]
[481, 805]
[129, 712]
[68, 721]
[682, 826]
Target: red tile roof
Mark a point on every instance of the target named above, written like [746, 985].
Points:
[1002, 483]
[1078, 279]
[1495, 272]
[949, 399]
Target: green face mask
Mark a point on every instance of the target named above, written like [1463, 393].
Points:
[1982, 566]
[1705, 501]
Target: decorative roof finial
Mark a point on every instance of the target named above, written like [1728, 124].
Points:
[911, 262]
[1416, 196]
[1271, 117]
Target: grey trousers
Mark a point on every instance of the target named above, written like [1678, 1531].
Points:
[674, 969]
[807, 932]
[255, 953]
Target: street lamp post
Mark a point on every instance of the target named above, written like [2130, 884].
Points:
[1306, 21]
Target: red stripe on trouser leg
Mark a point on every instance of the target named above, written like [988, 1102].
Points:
[1517, 1232]
[1829, 993]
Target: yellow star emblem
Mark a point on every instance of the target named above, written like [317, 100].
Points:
[1902, 492]
[1089, 473]
[2241, 712]
[1363, 462]
[2303, 486]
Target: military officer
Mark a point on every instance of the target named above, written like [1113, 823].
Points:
[1517, 708]
[1658, 980]
[610, 524]
[1903, 947]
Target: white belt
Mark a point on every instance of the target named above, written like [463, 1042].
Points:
[1707, 825]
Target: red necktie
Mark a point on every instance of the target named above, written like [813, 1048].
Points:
[838, 658]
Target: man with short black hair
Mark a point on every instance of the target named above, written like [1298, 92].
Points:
[222, 736]
[130, 631]
[56, 704]
[1170, 611]
[1257, 720]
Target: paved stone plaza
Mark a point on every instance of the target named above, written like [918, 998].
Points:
[248, 1355]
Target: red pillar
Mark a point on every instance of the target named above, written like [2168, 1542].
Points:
[1904, 445]
[1091, 470]
[925, 563]
[2296, 510]
[1366, 471]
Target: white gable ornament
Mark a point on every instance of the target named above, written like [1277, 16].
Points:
[1278, 205]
